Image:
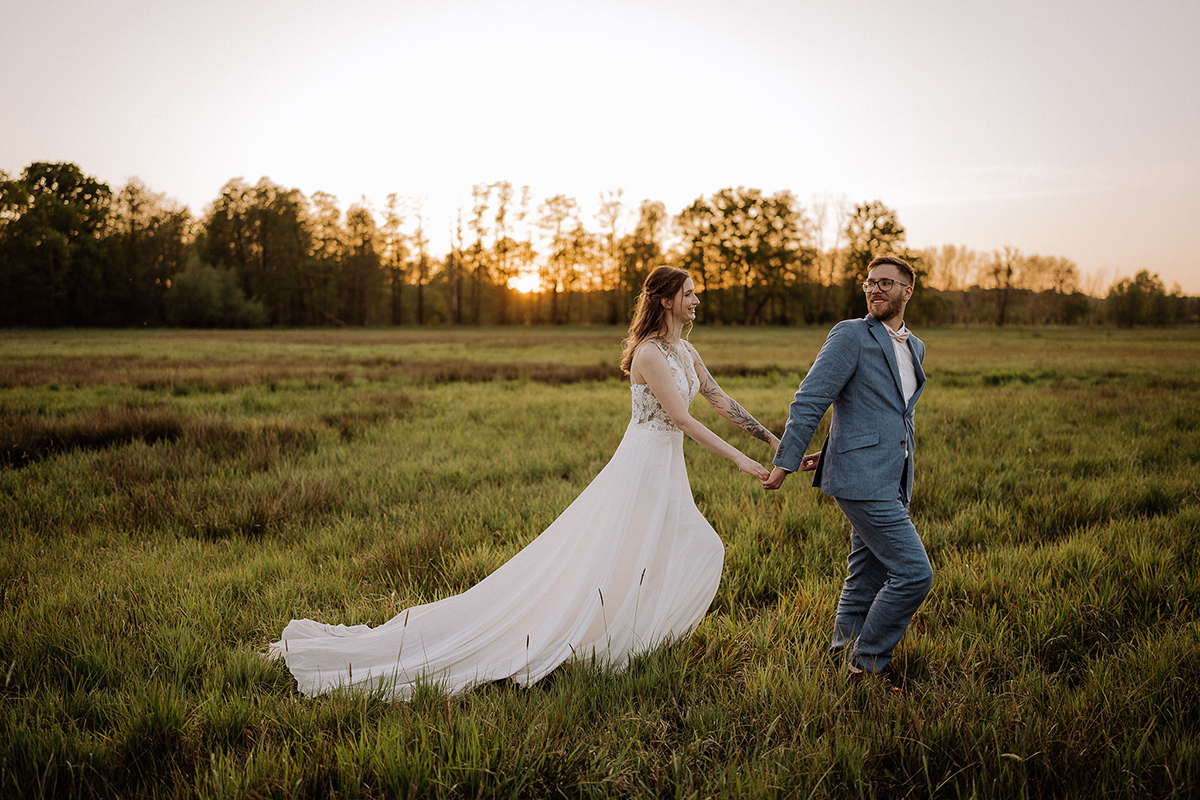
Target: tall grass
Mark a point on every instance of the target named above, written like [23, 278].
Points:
[163, 517]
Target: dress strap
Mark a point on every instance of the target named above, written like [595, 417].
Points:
[666, 349]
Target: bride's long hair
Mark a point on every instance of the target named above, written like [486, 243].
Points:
[649, 316]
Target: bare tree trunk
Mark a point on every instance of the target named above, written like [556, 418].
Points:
[1003, 307]
[397, 298]
[452, 284]
[477, 306]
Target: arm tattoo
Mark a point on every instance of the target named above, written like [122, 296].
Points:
[749, 424]
[730, 408]
[708, 387]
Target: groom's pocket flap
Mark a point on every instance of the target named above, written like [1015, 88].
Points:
[855, 442]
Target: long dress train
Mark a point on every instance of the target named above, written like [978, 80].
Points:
[630, 564]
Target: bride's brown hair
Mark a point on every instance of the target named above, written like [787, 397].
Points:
[649, 317]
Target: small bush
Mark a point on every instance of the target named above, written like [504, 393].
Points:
[203, 296]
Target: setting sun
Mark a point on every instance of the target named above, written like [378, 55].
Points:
[525, 283]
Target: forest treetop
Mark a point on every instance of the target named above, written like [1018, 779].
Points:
[73, 252]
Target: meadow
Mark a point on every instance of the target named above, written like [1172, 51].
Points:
[170, 499]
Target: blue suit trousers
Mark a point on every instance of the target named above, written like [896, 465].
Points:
[888, 577]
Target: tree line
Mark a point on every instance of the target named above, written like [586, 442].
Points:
[74, 253]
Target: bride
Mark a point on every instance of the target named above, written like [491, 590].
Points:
[629, 565]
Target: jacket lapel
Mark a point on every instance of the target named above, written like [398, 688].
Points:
[918, 350]
[889, 352]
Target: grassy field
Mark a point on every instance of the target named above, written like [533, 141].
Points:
[169, 500]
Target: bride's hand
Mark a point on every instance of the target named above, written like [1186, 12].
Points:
[751, 467]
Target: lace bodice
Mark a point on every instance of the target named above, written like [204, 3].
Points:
[646, 408]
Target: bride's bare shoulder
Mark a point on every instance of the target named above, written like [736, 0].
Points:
[649, 348]
[647, 355]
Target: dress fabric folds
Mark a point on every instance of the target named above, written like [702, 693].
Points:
[629, 565]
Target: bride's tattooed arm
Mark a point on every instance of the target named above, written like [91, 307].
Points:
[727, 407]
[735, 413]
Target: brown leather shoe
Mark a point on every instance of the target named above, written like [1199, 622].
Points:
[884, 677]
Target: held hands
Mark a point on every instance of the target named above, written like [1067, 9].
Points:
[778, 474]
[751, 467]
[773, 442]
[775, 479]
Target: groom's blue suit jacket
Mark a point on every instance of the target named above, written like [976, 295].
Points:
[869, 452]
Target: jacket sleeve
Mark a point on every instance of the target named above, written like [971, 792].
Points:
[834, 366]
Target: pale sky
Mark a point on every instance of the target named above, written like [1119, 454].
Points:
[1060, 128]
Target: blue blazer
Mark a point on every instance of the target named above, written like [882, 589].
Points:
[869, 452]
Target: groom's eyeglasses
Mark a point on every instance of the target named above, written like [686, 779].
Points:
[884, 284]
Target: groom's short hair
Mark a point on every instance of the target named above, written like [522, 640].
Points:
[898, 263]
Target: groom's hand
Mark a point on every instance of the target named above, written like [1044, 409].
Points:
[809, 462]
[776, 478]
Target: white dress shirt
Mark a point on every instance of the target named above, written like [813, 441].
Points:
[904, 360]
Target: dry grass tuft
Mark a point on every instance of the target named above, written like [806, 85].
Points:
[25, 438]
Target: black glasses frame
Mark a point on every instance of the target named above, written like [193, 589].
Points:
[866, 285]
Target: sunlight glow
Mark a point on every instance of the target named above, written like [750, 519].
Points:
[525, 283]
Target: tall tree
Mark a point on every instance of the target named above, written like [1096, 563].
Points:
[325, 257]
[583, 269]
[830, 218]
[558, 222]
[395, 256]
[229, 237]
[262, 233]
[642, 250]
[147, 244]
[697, 223]
[504, 247]
[51, 221]
[609, 216]
[872, 230]
[791, 245]
[1003, 276]
[454, 271]
[420, 246]
[1063, 275]
[756, 251]
[1140, 300]
[362, 264]
[481, 196]
[954, 268]
[737, 240]
[280, 218]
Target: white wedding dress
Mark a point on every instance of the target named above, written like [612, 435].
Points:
[629, 565]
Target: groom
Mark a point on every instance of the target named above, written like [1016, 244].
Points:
[869, 370]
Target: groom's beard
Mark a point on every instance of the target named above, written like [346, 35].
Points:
[888, 310]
